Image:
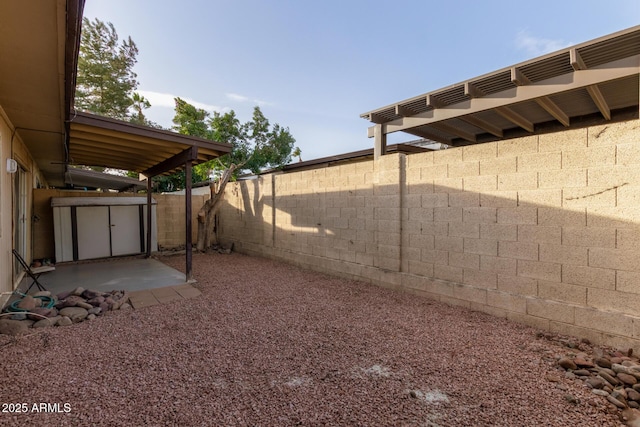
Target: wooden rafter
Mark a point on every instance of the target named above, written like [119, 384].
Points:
[594, 91]
[519, 79]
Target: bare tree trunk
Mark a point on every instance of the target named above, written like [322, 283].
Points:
[206, 214]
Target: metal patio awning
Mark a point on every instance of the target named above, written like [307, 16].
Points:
[101, 141]
[598, 78]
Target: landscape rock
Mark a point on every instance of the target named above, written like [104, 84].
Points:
[90, 294]
[567, 363]
[64, 321]
[28, 303]
[616, 402]
[45, 323]
[96, 301]
[603, 362]
[14, 327]
[84, 305]
[627, 378]
[76, 314]
[42, 294]
[19, 316]
[595, 382]
[91, 317]
[37, 313]
[78, 291]
[95, 310]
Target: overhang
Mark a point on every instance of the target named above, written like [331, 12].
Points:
[596, 79]
[83, 178]
[38, 41]
[101, 141]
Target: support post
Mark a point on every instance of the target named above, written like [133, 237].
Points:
[149, 217]
[187, 199]
[380, 142]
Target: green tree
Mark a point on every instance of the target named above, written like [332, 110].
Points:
[138, 105]
[106, 82]
[256, 145]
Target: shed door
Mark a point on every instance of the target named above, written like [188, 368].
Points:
[125, 230]
[93, 232]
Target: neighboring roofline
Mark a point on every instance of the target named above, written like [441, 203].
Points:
[360, 155]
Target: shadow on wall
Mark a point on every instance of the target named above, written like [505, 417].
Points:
[543, 230]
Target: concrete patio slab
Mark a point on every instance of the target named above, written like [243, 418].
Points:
[130, 274]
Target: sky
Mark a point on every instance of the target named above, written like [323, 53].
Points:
[315, 67]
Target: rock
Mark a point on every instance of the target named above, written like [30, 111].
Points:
[72, 301]
[90, 294]
[84, 305]
[582, 362]
[619, 393]
[595, 382]
[634, 405]
[14, 327]
[27, 303]
[582, 372]
[567, 363]
[571, 399]
[616, 402]
[636, 387]
[631, 417]
[616, 359]
[45, 323]
[64, 321]
[37, 313]
[627, 379]
[603, 362]
[42, 294]
[95, 310]
[91, 317]
[19, 316]
[599, 392]
[125, 306]
[617, 367]
[611, 380]
[633, 394]
[77, 291]
[76, 314]
[96, 301]
[570, 375]
[63, 295]
[104, 307]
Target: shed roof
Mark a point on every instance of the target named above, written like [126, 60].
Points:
[597, 77]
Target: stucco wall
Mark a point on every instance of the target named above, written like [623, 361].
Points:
[543, 230]
[12, 149]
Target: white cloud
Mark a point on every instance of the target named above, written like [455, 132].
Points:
[537, 45]
[159, 99]
[241, 98]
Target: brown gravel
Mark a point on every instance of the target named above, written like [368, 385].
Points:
[269, 344]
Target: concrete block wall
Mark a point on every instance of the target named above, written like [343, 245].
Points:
[543, 230]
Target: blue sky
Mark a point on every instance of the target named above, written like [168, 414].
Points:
[314, 67]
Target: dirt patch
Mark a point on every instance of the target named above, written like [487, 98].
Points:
[270, 344]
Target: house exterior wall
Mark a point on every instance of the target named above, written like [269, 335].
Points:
[543, 230]
[12, 149]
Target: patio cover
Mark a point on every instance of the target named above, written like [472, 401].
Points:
[101, 141]
[593, 80]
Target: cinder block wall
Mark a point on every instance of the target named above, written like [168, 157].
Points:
[543, 230]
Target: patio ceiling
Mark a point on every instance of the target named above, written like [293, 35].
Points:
[599, 77]
[101, 141]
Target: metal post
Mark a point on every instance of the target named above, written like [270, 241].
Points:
[149, 217]
[187, 199]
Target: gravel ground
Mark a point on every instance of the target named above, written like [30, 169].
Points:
[269, 344]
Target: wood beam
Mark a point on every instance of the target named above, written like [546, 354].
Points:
[519, 79]
[404, 111]
[594, 91]
[515, 118]
[376, 118]
[580, 79]
[188, 155]
[483, 124]
[472, 90]
[454, 131]
[434, 102]
[149, 207]
[424, 133]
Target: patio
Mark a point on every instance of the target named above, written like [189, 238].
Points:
[147, 280]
